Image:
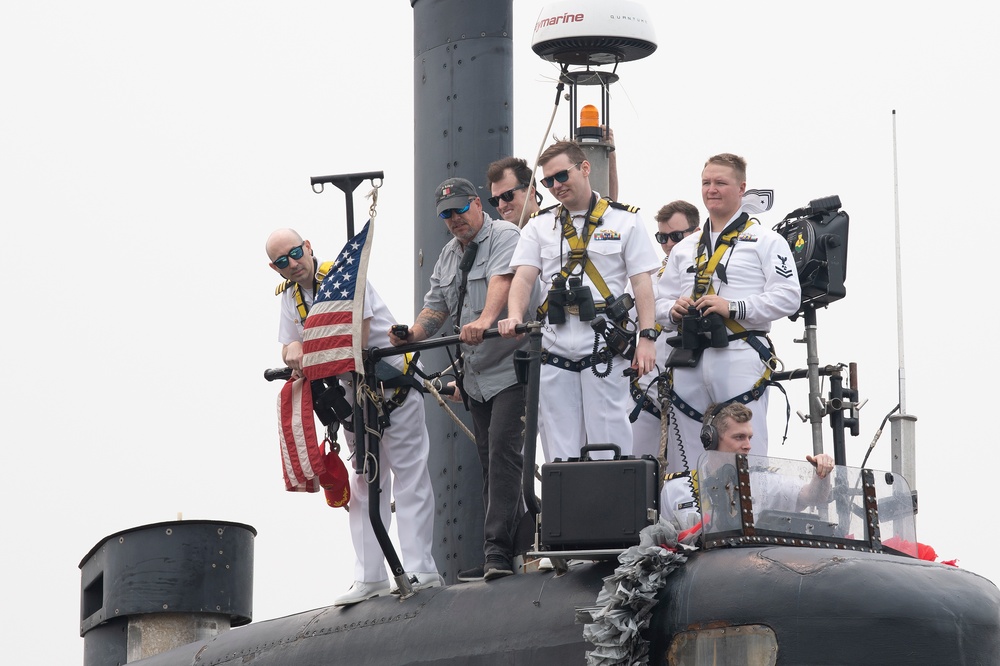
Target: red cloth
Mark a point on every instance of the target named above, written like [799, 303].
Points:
[335, 482]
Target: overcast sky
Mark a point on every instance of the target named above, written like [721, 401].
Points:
[147, 149]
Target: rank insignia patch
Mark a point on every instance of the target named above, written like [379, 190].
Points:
[783, 270]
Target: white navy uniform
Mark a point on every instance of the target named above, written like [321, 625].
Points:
[578, 407]
[402, 456]
[764, 285]
[646, 427]
[679, 502]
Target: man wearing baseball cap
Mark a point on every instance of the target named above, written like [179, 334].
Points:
[470, 282]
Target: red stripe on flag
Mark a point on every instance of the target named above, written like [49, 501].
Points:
[318, 317]
[345, 342]
[332, 368]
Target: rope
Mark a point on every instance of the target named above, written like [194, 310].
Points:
[444, 405]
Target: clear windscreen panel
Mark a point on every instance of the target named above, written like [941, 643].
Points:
[787, 500]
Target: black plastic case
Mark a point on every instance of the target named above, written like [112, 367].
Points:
[597, 504]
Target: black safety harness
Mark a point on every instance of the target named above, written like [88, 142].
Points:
[758, 340]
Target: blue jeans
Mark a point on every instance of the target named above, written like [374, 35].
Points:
[499, 437]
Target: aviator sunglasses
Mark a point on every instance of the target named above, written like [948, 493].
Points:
[294, 253]
[560, 177]
[507, 196]
[675, 236]
[446, 214]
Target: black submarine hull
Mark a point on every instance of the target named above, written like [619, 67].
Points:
[824, 607]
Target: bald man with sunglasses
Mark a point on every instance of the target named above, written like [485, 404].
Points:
[581, 401]
[403, 447]
[292, 258]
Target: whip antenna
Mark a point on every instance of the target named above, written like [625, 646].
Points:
[899, 274]
[903, 424]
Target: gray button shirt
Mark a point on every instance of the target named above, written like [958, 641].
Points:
[489, 366]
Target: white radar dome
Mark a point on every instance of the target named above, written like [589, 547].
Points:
[593, 32]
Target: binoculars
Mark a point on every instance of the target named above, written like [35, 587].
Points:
[569, 293]
[696, 327]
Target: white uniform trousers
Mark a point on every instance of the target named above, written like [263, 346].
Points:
[578, 408]
[720, 375]
[646, 441]
[403, 476]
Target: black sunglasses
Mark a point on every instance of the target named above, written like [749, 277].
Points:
[446, 213]
[295, 253]
[560, 177]
[507, 196]
[675, 236]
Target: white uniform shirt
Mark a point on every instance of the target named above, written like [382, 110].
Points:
[619, 248]
[289, 325]
[761, 273]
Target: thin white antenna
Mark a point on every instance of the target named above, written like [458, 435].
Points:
[899, 274]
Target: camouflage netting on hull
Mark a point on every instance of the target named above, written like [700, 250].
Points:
[628, 597]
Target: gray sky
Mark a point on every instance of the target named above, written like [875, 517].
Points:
[147, 149]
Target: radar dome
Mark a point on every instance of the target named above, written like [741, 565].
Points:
[593, 32]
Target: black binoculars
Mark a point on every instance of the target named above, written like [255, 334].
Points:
[695, 327]
[568, 293]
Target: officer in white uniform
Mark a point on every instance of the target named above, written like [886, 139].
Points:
[404, 446]
[755, 283]
[577, 407]
[675, 221]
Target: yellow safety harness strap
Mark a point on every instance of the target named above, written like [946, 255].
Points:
[578, 251]
[300, 303]
[707, 266]
[399, 394]
[703, 286]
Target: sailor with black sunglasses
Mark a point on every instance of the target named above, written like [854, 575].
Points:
[605, 245]
[674, 221]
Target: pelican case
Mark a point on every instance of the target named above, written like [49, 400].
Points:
[598, 504]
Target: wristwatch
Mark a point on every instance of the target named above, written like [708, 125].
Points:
[649, 333]
[734, 309]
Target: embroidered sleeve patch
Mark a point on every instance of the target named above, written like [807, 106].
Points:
[782, 269]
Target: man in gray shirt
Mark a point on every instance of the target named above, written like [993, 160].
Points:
[470, 282]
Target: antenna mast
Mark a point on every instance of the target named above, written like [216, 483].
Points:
[903, 424]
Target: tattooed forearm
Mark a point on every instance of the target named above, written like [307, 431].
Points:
[430, 321]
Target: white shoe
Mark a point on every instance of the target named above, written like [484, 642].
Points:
[421, 581]
[360, 591]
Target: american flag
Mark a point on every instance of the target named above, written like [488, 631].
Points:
[332, 337]
[306, 468]
[301, 455]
